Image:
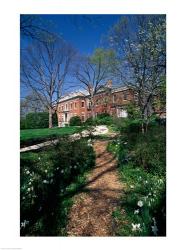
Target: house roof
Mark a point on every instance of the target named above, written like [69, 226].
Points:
[84, 93]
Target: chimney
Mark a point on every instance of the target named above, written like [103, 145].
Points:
[109, 84]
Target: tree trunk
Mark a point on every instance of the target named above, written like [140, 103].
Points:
[50, 117]
[92, 108]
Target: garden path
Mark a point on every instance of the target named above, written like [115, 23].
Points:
[91, 213]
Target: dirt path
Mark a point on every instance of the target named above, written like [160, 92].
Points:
[91, 214]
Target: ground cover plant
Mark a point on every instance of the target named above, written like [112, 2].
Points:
[49, 179]
[142, 168]
[32, 136]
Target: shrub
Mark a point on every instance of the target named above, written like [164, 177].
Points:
[46, 179]
[150, 152]
[22, 123]
[133, 111]
[75, 121]
[101, 119]
[38, 120]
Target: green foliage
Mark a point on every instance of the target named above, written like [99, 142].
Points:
[133, 111]
[31, 136]
[147, 150]
[37, 120]
[142, 167]
[144, 203]
[103, 57]
[101, 119]
[49, 179]
[22, 123]
[75, 121]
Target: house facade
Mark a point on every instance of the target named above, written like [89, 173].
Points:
[107, 100]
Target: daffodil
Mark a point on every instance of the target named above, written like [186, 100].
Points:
[136, 211]
[136, 227]
[140, 203]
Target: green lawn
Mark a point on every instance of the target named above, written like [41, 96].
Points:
[38, 135]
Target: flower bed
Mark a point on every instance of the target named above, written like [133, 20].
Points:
[143, 206]
[49, 178]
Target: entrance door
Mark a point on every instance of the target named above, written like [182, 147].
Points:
[66, 117]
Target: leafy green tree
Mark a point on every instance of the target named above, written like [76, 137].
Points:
[37, 120]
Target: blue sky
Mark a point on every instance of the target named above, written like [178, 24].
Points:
[84, 32]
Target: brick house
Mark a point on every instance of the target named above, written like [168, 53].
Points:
[107, 100]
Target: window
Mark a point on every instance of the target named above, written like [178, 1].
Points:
[82, 104]
[89, 105]
[66, 107]
[62, 108]
[71, 105]
[125, 96]
[75, 105]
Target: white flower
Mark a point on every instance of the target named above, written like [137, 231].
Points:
[24, 223]
[146, 197]
[30, 183]
[28, 189]
[62, 171]
[146, 182]
[131, 186]
[140, 203]
[27, 172]
[136, 211]
[136, 227]
[39, 158]
[46, 170]
[154, 227]
[45, 181]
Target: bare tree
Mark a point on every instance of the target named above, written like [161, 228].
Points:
[140, 43]
[35, 28]
[44, 67]
[31, 103]
[93, 71]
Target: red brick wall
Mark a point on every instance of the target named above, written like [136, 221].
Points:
[105, 102]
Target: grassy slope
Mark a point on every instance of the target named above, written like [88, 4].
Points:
[30, 134]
